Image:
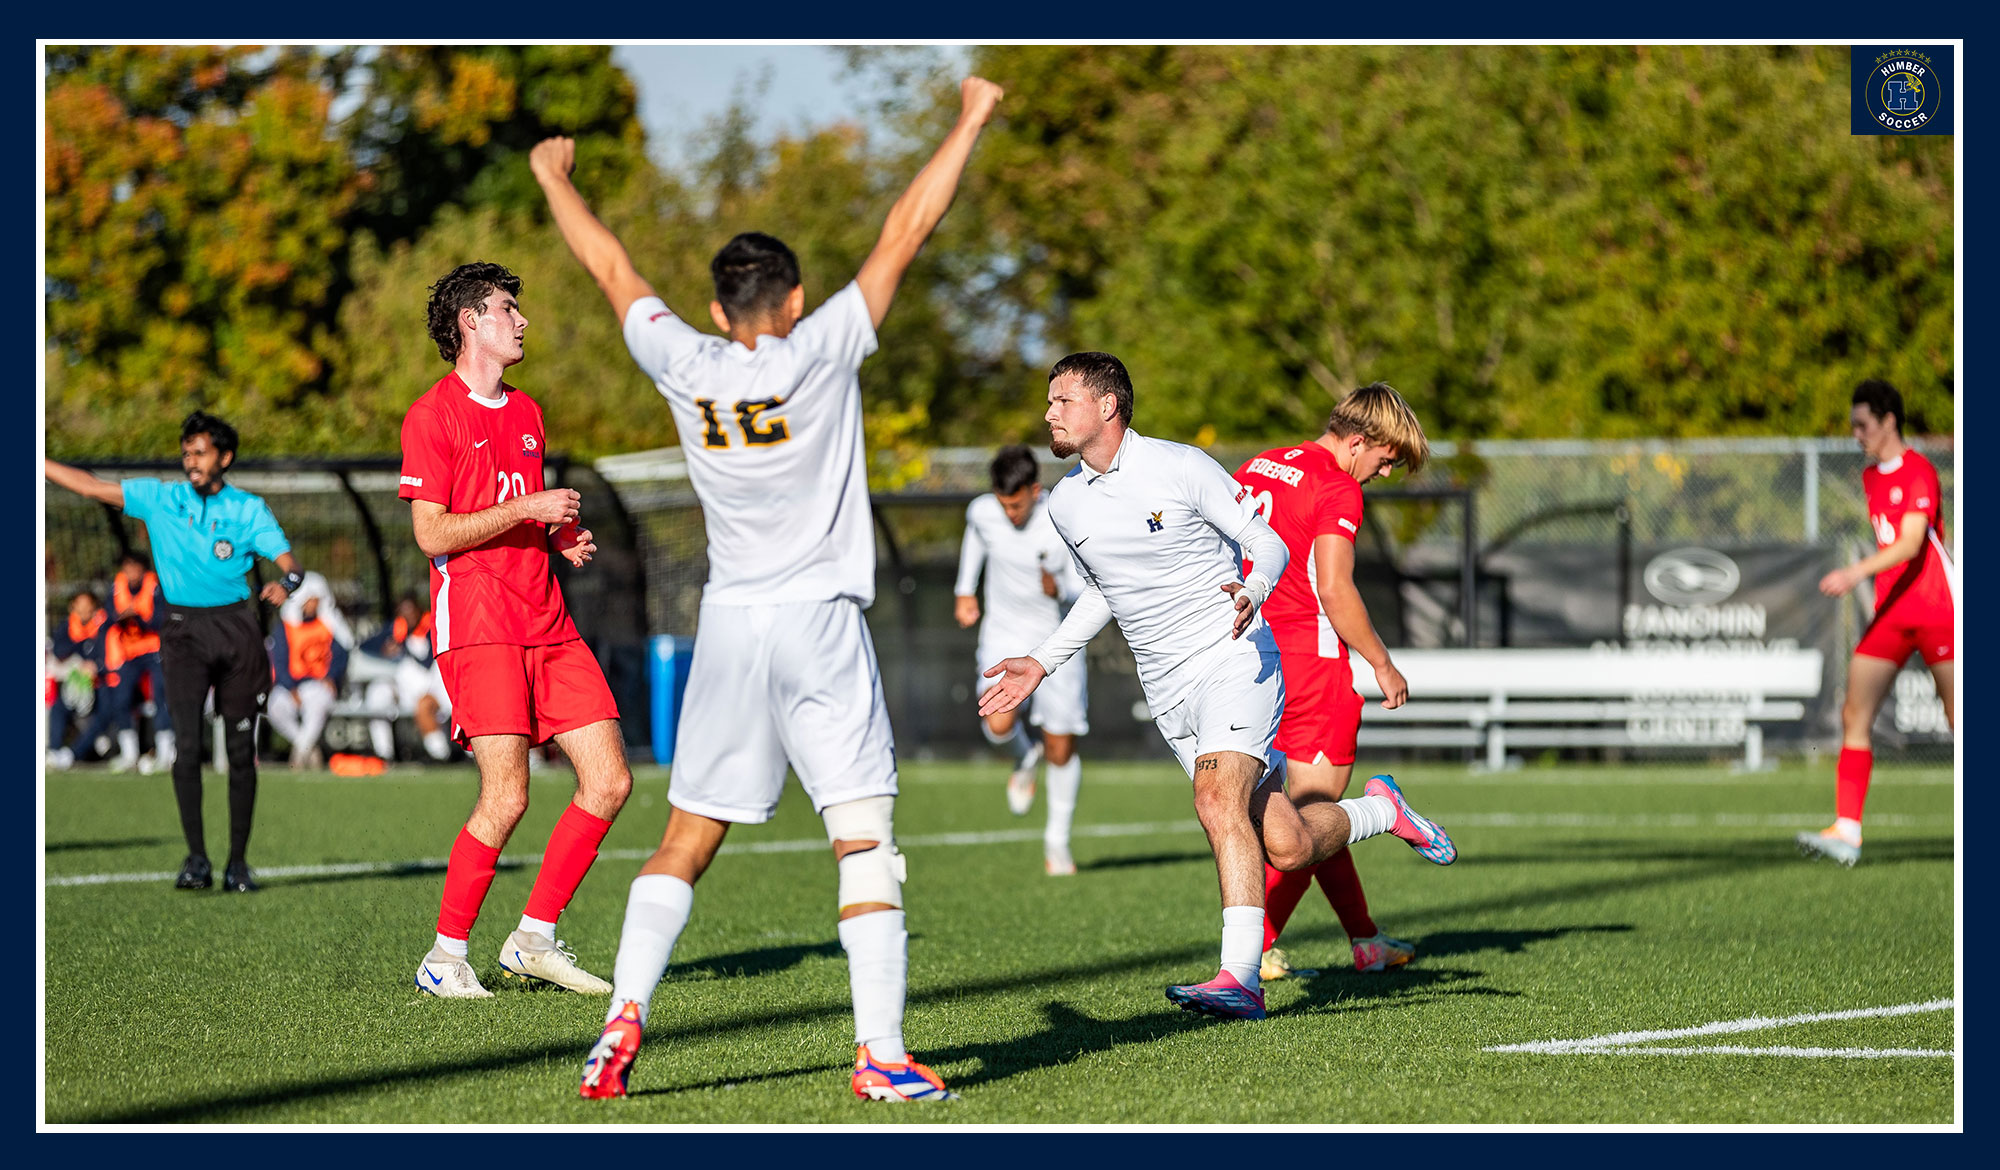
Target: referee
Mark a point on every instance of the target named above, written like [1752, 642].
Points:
[205, 536]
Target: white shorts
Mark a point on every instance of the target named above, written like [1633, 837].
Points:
[1235, 707]
[777, 684]
[1061, 705]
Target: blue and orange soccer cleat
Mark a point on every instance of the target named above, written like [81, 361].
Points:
[881, 1081]
[1430, 842]
[1222, 997]
[609, 1066]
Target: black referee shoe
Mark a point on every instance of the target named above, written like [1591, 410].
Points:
[195, 873]
[236, 878]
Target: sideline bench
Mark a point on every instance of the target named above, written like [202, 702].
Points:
[1502, 699]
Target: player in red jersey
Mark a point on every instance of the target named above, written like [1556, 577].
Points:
[1916, 594]
[1311, 494]
[511, 660]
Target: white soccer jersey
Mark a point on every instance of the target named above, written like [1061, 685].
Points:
[772, 439]
[1017, 613]
[1157, 535]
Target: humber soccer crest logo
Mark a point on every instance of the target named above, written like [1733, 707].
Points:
[1902, 90]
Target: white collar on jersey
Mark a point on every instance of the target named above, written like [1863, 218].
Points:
[499, 403]
[1117, 458]
[1889, 465]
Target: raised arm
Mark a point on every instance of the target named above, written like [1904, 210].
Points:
[600, 253]
[83, 483]
[917, 212]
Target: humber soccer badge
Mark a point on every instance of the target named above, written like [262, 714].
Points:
[1902, 89]
[224, 550]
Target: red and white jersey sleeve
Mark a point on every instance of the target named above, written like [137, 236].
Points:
[1900, 487]
[1303, 494]
[470, 453]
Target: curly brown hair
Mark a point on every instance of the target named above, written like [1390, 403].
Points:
[464, 287]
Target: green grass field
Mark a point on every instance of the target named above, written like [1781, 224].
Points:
[1586, 901]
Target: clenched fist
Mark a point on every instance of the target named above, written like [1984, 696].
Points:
[979, 97]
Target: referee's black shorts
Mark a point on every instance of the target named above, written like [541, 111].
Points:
[220, 647]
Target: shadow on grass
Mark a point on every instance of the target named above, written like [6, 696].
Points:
[1146, 860]
[762, 961]
[107, 843]
[1386, 989]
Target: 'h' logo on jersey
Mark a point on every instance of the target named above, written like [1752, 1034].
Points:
[1155, 524]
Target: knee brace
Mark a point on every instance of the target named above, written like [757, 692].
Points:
[868, 875]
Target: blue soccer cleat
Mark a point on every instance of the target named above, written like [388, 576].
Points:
[878, 1080]
[1431, 843]
[1222, 997]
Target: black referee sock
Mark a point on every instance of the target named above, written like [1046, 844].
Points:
[242, 748]
[187, 794]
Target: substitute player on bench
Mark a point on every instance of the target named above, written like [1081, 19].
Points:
[511, 659]
[1160, 532]
[1916, 598]
[1311, 495]
[783, 671]
[1029, 575]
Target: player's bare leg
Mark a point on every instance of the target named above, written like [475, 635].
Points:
[475, 856]
[1868, 682]
[1945, 676]
[1224, 784]
[1064, 777]
[437, 744]
[603, 781]
[1006, 729]
[1311, 785]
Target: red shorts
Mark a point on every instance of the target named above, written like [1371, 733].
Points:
[1906, 627]
[536, 691]
[1322, 709]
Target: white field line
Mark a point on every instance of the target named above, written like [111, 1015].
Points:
[1781, 1050]
[1620, 1042]
[1130, 829]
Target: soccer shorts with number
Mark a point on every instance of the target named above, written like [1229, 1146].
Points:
[769, 685]
[1322, 709]
[537, 691]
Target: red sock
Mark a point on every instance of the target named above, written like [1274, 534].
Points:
[1282, 892]
[467, 876]
[1341, 884]
[1850, 783]
[572, 849]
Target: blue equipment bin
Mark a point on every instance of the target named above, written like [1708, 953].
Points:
[667, 662]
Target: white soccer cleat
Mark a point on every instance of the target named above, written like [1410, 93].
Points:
[1828, 843]
[449, 976]
[528, 955]
[1021, 783]
[61, 759]
[1057, 861]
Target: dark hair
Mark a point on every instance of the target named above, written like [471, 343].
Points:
[464, 287]
[1013, 469]
[220, 433]
[1100, 373]
[86, 593]
[754, 273]
[1881, 398]
[133, 557]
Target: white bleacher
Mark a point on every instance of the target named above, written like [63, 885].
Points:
[1499, 700]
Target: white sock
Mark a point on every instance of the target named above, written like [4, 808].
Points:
[438, 744]
[1064, 780]
[1368, 816]
[128, 745]
[655, 913]
[537, 926]
[1849, 829]
[163, 745]
[1243, 943]
[382, 738]
[453, 946]
[878, 970]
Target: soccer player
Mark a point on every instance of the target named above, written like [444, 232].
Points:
[783, 671]
[1311, 494]
[1916, 598]
[517, 672]
[1160, 531]
[205, 536]
[1029, 574]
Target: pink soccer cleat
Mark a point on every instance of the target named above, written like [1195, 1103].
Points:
[1222, 997]
[1430, 841]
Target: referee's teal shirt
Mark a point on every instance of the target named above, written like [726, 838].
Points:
[204, 546]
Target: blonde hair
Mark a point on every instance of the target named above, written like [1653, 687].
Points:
[1378, 414]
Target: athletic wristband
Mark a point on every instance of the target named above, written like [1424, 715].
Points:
[292, 581]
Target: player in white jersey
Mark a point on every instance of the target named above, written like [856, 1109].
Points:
[1029, 576]
[783, 670]
[1160, 532]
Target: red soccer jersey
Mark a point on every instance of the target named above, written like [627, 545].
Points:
[469, 453]
[1896, 488]
[1303, 494]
